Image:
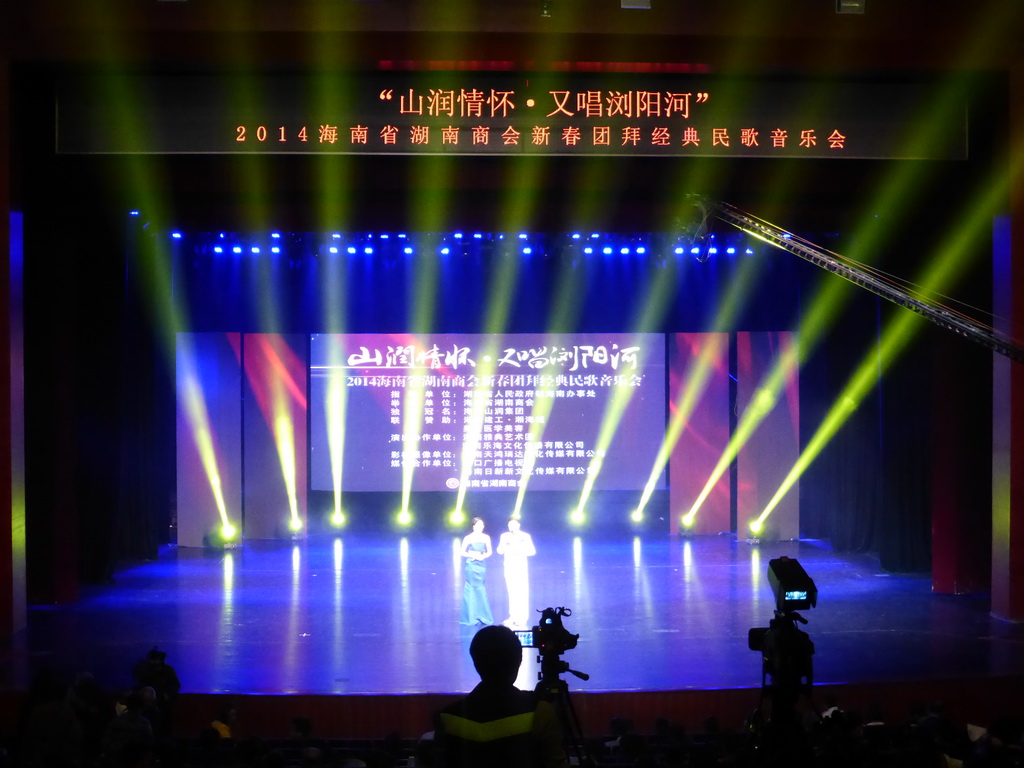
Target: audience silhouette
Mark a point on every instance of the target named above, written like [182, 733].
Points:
[83, 726]
[154, 672]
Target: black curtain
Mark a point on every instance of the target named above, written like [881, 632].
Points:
[100, 444]
[145, 509]
[869, 490]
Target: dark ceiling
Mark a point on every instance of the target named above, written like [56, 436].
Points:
[749, 35]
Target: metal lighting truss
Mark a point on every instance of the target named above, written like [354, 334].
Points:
[941, 316]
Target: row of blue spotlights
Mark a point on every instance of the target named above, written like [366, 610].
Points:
[369, 244]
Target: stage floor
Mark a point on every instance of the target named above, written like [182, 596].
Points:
[354, 615]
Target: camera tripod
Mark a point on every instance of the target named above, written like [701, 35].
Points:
[552, 688]
[787, 662]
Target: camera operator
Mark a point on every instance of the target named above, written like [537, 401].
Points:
[497, 724]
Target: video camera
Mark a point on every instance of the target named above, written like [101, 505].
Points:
[786, 650]
[549, 636]
[552, 639]
[794, 590]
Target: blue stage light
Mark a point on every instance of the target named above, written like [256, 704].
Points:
[275, 235]
[522, 235]
[457, 235]
[588, 250]
[332, 249]
[336, 236]
[624, 251]
[275, 249]
[407, 250]
[712, 250]
[368, 250]
[218, 249]
[606, 250]
[255, 249]
[695, 250]
[527, 251]
[730, 250]
[352, 249]
[641, 250]
[236, 249]
[445, 251]
[749, 251]
[133, 213]
[176, 235]
[575, 235]
[477, 236]
[679, 250]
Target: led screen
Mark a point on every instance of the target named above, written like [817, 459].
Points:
[485, 412]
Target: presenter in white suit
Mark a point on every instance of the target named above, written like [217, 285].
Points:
[516, 547]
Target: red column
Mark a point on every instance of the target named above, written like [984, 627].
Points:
[1008, 388]
[12, 487]
[960, 468]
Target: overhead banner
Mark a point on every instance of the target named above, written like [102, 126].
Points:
[501, 113]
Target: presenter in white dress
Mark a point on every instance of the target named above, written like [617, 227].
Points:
[516, 546]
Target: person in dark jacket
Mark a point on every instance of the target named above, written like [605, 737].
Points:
[497, 724]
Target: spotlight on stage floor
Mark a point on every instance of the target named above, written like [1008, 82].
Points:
[223, 537]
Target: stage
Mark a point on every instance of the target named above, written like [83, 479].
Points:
[380, 616]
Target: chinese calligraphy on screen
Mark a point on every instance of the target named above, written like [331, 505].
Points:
[490, 412]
